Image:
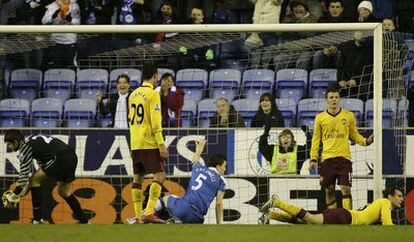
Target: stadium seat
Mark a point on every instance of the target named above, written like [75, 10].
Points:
[104, 121]
[79, 112]
[90, 81]
[247, 109]
[403, 112]
[287, 107]
[224, 83]
[161, 71]
[134, 74]
[46, 112]
[25, 83]
[319, 80]
[256, 82]
[308, 109]
[356, 106]
[389, 110]
[59, 83]
[14, 112]
[188, 113]
[233, 64]
[193, 81]
[411, 81]
[291, 83]
[206, 109]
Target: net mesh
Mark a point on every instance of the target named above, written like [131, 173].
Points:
[208, 66]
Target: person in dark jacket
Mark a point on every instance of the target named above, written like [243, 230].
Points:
[226, 116]
[268, 110]
[287, 157]
[172, 101]
[117, 103]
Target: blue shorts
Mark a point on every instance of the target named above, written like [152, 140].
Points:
[182, 210]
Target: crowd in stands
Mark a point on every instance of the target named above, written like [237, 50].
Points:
[349, 60]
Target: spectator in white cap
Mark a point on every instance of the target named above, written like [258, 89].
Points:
[365, 12]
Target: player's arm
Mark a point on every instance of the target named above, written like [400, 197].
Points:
[219, 207]
[156, 117]
[355, 136]
[386, 214]
[316, 141]
[199, 149]
[264, 147]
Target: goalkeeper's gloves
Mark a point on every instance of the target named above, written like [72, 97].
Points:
[10, 200]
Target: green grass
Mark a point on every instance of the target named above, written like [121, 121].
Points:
[199, 233]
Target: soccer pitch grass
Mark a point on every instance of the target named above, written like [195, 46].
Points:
[199, 233]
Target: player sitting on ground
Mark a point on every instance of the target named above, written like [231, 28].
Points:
[206, 183]
[378, 211]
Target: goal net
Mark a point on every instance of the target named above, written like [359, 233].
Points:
[51, 88]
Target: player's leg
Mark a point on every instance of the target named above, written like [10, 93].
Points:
[136, 190]
[345, 182]
[63, 170]
[65, 193]
[37, 194]
[153, 164]
[328, 177]
[293, 210]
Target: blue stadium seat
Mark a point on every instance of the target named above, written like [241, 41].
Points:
[104, 121]
[90, 81]
[59, 83]
[233, 64]
[247, 109]
[356, 106]
[206, 109]
[224, 83]
[291, 83]
[46, 112]
[134, 74]
[411, 81]
[14, 112]
[188, 113]
[257, 81]
[287, 107]
[79, 112]
[389, 110]
[25, 83]
[308, 109]
[319, 80]
[161, 71]
[193, 81]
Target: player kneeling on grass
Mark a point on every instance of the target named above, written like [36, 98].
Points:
[206, 183]
[55, 159]
[377, 212]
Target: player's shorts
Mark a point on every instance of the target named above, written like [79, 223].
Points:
[181, 209]
[337, 216]
[147, 161]
[336, 168]
[64, 167]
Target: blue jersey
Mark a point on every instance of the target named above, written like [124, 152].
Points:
[204, 184]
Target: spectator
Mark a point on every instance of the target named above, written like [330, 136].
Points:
[226, 116]
[117, 104]
[172, 101]
[299, 13]
[365, 11]
[388, 25]
[8, 8]
[207, 6]
[329, 56]
[314, 8]
[265, 12]
[221, 15]
[97, 11]
[405, 13]
[167, 14]
[268, 111]
[197, 16]
[62, 12]
[287, 157]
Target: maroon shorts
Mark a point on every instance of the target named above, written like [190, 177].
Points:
[336, 168]
[147, 161]
[337, 216]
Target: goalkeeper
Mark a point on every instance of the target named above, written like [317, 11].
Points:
[377, 212]
[55, 159]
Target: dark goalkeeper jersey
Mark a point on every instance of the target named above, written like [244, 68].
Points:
[43, 148]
